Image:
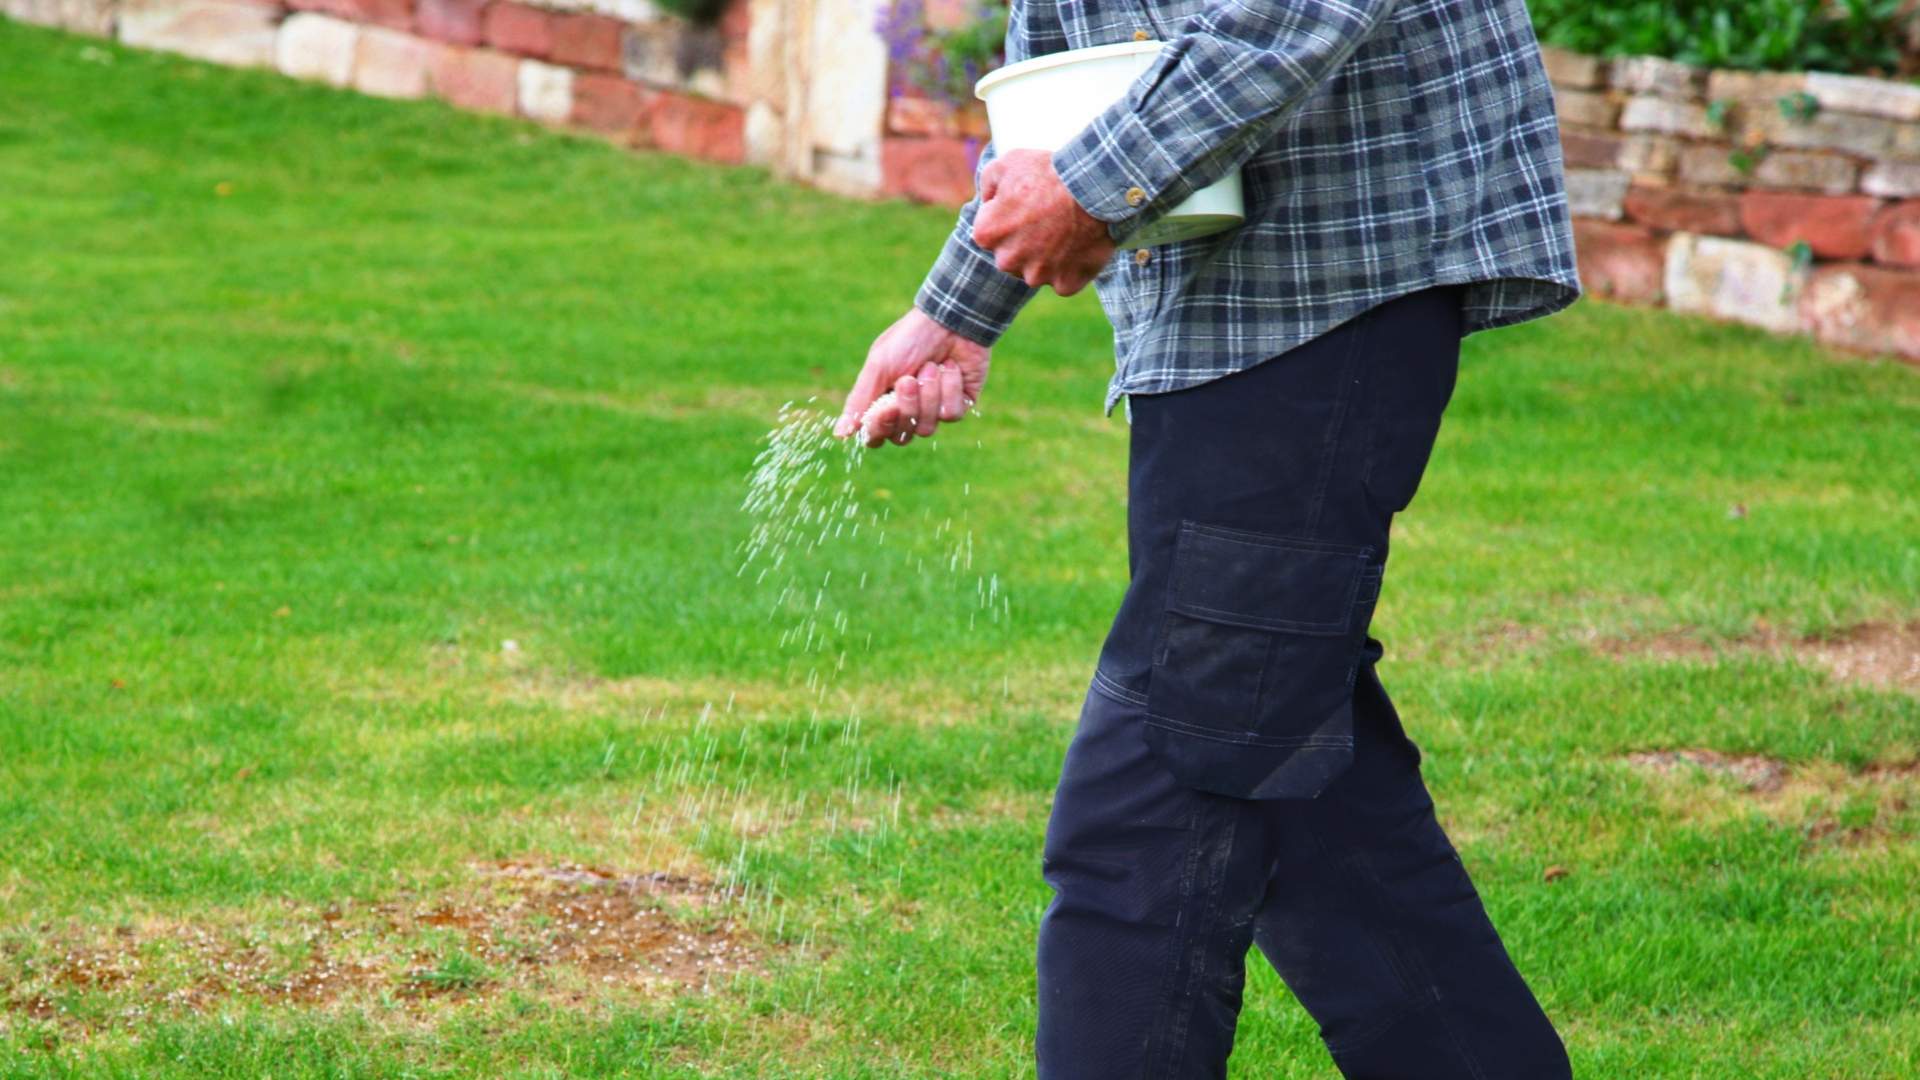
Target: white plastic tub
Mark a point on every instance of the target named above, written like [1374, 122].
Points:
[1041, 104]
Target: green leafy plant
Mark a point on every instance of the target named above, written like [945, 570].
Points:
[944, 64]
[698, 12]
[456, 970]
[1756, 35]
[1746, 159]
[1802, 106]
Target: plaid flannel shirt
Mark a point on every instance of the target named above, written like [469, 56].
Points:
[1387, 145]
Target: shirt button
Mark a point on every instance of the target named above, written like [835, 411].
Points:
[1143, 257]
[1135, 196]
[1141, 35]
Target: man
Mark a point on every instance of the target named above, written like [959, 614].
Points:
[1239, 776]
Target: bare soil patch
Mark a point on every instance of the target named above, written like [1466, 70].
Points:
[564, 932]
[1827, 803]
[1754, 773]
[1883, 655]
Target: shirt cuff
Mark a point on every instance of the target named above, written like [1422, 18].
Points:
[966, 293]
[1117, 171]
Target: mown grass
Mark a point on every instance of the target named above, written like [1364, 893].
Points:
[282, 469]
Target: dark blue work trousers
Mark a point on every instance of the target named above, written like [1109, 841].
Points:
[1239, 775]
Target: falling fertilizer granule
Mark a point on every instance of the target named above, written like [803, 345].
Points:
[789, 493]
[802, 496]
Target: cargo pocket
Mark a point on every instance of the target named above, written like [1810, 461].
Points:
[1252, 686]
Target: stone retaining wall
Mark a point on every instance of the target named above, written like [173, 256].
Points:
[798, 85]
[1788, 201]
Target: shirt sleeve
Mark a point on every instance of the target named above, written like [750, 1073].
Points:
[1213, 96]
[965, 291]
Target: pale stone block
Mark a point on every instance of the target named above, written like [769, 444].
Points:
[765, 135]
[1864, 136]
[1796, 171]
[394, 65]
[1571, 69]
[1892, 179]
[1710, 165]
[1666, 116]
[1597, 193]
[1733, 279]
[1906, 141]
[318, 47]
[767, 52]
[708, 83]
[1650, 155]
[854, 174]
[235, 34]
[1585, 108]
[1760, 89]
[91, 17]
[647, 54]
[1872, 97]
[1865, 307]
[846, 98]
[546, 92]
[1656, 75]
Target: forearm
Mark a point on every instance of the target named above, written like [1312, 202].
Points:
[1216, 93]
[966, 292]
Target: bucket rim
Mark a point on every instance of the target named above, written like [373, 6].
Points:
[1062, 59]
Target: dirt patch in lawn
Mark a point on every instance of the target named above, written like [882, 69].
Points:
[566, 933]
[1752, 773]
[1829, 804]
[1883, 655]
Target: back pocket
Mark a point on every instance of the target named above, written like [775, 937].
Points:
[1255, 660]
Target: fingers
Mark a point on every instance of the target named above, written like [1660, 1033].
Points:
[990, 180]
[859, 399]
[953, 402]
[928, 418]
[880, 423]
[907, 391]
[991, 226]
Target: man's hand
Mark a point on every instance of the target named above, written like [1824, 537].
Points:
[933, 373]
[1033, 226]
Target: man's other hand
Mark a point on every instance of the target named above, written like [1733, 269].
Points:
[933, 373]
[1033, 226]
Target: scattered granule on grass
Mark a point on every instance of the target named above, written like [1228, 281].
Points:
[567, 933]
[1882, 655]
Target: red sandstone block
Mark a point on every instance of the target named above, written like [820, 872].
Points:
[1895, 234]
[1834, 226]
[456, 21]
[1590, 150]
[934, 170]
[393, 14]
[697, 127]
[391, 64]
[736, 21]
[1679, 209]
[517, 28]
[587, 41]
[609, 103]
[477, 79]
[1864, 307]
[948, 14]
[1620, 262]
[916, 116]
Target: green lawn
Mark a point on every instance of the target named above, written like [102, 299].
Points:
[310, 403]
